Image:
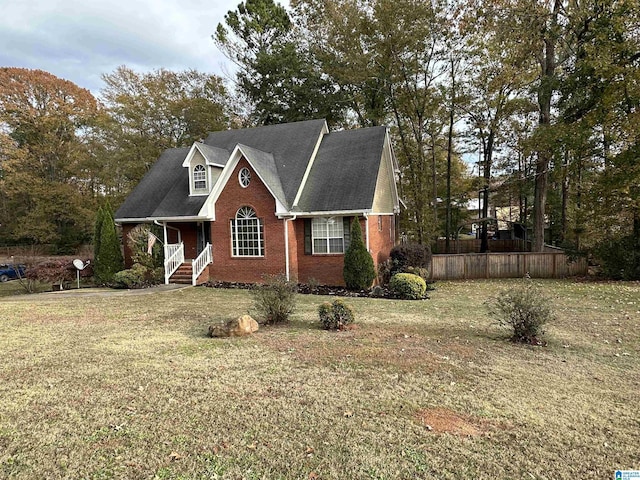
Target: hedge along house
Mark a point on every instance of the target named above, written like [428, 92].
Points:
[268, 200]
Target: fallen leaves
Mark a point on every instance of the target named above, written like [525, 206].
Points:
[175, 456]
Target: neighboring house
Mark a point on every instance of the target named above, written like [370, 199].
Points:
[269, 200]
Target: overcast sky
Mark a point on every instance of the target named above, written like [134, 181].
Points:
[79, 40]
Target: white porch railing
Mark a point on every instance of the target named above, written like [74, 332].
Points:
[198, 265]
[173, 258]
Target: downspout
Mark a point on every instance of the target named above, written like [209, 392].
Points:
[286, 245]
[366, 226]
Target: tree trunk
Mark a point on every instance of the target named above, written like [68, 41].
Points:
[449, 155]
[488, 154]
[434, 181]
[545, 94]
[565, 198]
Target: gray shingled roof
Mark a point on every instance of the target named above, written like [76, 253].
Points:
[343, 176]
[214, 155]
[163, 191]
[291, 145]
[345, 171]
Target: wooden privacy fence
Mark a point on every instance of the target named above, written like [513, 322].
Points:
[505, 265]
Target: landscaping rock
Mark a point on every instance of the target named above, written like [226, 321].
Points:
[241, 326]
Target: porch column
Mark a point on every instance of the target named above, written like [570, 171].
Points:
[164, 229]
[166, 252]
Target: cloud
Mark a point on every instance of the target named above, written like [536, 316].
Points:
[80, 40]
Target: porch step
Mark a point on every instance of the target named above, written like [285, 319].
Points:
[182, 274]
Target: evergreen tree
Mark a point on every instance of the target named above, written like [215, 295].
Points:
[359, 271]
[109, 256]
[96, 235]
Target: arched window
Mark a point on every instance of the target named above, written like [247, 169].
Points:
[199, 178]
[247, 234]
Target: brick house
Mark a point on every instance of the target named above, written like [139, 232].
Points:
[268, 200]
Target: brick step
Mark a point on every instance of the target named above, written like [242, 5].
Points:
[180, 279]
[181, 275]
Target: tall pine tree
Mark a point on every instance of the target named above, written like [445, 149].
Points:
[108, 255]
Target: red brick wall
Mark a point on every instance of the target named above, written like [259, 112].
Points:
[381, 237]
[324, 268]
[225, 267]
[327, 269]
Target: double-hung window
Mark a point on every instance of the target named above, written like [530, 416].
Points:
[247, 234]
[199, 178]
[327, 235]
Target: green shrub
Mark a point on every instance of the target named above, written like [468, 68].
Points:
[524, 309]
[138, 276]
[336, 315]
[410, 255]
[275, 300]
[408, 286]
[137, 241]
[385, 271]
[419, 271]
[359, 271]
[619, 258]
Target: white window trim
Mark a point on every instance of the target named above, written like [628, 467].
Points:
[327, 237]
[234, 236]
[242, 170]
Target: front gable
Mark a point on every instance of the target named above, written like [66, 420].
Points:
[234, 199]
[258, 164]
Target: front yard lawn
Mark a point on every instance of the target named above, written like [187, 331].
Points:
[130, 387]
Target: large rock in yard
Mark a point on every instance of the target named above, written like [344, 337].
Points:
[241, 326]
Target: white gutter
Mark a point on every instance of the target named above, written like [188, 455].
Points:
[162, 219]
[328, 213]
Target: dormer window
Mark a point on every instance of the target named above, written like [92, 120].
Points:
[199, 178]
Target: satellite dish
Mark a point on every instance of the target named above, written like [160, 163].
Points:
[80, 265]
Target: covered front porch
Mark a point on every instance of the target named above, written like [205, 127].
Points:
[187, 251]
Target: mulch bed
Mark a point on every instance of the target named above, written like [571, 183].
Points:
[376, 292]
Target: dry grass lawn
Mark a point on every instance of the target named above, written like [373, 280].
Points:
[130, 387]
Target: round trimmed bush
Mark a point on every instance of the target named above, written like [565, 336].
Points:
[336, 315]
[408, 286]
